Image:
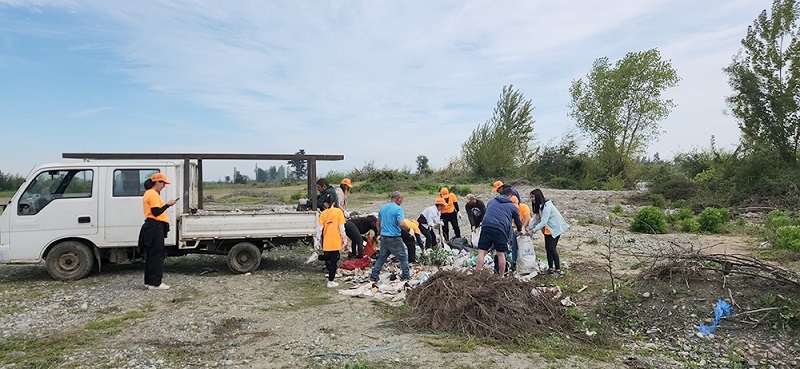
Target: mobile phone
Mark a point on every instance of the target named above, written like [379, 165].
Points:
[177, 198]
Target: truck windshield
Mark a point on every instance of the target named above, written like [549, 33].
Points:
[52, 185]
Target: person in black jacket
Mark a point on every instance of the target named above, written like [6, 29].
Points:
[475, 211]
[354, 229]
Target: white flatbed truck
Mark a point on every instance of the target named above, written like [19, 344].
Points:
[77, 215]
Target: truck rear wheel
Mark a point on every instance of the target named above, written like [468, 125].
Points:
[244, 257]
[69, 260]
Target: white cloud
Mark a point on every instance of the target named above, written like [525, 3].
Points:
[392, 80]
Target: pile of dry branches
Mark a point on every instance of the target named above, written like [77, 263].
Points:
[686, 262]
[483, 305]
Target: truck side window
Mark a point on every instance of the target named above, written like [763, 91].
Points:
[53, 185]
[130, 182]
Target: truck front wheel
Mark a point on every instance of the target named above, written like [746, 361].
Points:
[69, 260]
[244, 257]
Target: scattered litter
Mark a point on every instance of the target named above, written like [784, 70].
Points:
[590, 333]
[567, 301]
[353, 264]
[583, 288]
[312, 258]
[722, 309]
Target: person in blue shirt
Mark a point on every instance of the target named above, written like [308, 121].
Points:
[391, 221]
[496, 230]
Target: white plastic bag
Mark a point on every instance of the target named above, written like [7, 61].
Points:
[476, 236]
[526, 260]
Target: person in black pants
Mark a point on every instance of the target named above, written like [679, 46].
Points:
[449, 213]
[154, 231]
[355, 228]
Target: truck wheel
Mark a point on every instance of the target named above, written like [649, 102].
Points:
[244, 257]
[69, 260]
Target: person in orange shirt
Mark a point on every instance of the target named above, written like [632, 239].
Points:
[411, 239]
[154, 231]
[449, 213]
[330, 237]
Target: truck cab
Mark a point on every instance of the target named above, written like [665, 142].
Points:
[79, 209]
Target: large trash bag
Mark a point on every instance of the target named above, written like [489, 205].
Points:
[476, 236]
[460, 243]
[370, 248]
[526, 260]
[353, 264]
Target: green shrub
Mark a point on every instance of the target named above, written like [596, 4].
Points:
[297, 195]
[713, 220]
[562, 182]
[681, 214]
[617, 209]
[776, 219]
[649, 219]
[788, 238]
[438, 256]
[657, 200]
[681, 204]
[690, 225]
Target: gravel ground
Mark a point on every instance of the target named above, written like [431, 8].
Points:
[282, 316]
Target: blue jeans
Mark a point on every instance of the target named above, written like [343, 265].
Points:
[396, 247]
[514, 250]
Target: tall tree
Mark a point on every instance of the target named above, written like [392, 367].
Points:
[619, 106]
[422, 165]
[298, 165]
[765, 77]
[501, 145]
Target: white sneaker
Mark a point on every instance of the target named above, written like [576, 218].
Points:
[332, 284]
[162, 286]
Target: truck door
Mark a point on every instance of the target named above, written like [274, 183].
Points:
[123, 208]
[56, 204]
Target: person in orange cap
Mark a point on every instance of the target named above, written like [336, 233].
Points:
[449, 213]
[341, 195]
[497, 185]
[154, 231]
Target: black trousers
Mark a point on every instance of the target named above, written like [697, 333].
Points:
[552, 255]
[411, 246]
[151, 240]
[430, 237]
[356, 240]
[451, 218]
[331, 259]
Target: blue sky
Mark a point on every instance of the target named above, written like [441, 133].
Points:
[372, 80]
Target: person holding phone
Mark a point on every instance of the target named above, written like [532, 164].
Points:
[154, 231]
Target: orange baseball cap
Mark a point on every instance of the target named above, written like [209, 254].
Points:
[347, 183]
[444, 191]
[159, 177]
[497, 185]
[439, 201]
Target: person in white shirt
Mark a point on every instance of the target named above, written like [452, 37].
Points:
[429, 218]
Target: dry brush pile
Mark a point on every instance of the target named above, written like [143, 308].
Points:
[483, 305]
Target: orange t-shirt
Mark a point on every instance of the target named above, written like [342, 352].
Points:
[449, 199]
[524, 214]
[413, 225]
[152, 199]
[330, 220]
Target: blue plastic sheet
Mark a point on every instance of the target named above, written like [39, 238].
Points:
[722, 309]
